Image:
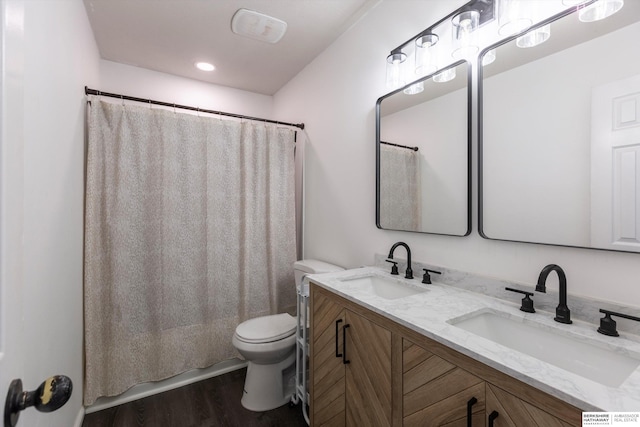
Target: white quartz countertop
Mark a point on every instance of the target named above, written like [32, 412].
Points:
[431, 312]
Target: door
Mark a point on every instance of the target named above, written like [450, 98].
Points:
[615, 165]
[327, 367]
[351, 367]
[11, 195]
[368, 377]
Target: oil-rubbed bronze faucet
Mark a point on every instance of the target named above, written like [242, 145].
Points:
[563, 314]
[409, 274]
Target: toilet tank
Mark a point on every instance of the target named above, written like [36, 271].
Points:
[312, 266]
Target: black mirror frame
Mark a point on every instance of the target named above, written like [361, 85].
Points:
[469, 157]
[481, 231]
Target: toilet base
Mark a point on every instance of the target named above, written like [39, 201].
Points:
[268, 387]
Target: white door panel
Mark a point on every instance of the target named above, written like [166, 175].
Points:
[11, 196]
[615, 165]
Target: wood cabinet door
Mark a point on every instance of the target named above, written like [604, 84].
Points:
[368, 384]
[438, 393]
[515, 412]
[327, 371]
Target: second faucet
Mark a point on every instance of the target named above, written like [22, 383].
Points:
[409, 273]
[563, 314]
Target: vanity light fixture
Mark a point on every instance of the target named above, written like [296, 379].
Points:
[534, 37]
[204, 66]
[464, 26]
[425, 60]
[395, 77]
[601, 9]
[445, 76]
[512, 19]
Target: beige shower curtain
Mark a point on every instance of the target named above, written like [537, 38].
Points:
[189, 230]
[400, 199]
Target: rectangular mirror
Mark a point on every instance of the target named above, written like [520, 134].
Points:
[423, 157]
[559, 139]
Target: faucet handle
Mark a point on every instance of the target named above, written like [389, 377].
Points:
[527, 302]
[608, 325]
[394, 267]
[426, 278]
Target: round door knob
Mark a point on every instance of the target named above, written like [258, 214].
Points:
[53, 393]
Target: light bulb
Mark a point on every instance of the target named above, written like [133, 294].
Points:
[512, 19]
[445, 76]
[395, 77]
[464, 36]
[599, 10]
[424, 60]
[534, 37]
[414, 88]
[489, 57]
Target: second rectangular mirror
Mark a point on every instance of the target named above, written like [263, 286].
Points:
[560, 136]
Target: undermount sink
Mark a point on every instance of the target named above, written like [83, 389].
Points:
[387, 288]
[568, 352]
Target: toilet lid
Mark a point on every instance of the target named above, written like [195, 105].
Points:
[267, 328]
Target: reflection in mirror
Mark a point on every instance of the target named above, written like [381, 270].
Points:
[560, 136]
[423, 161]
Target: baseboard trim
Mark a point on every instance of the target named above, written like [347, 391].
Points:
[79, 418]
[147, 389]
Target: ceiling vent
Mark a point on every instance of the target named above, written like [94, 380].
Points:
[258, 26]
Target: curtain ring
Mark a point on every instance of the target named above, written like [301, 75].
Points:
[122, 100]
[198, 109]
[174, 108]
[150, 107]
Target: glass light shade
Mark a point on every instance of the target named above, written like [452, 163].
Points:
[425, 60]
[599, 10]
[445, 76]
[395, 75]
[534, 37]
[489, 57]
[572, 2]
[414, 88]
[464, 27]
[512, 18]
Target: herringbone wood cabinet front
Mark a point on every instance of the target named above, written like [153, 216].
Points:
[367, 370]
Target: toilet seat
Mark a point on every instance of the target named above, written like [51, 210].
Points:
[266, 329]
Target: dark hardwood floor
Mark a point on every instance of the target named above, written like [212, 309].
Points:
[209, 403]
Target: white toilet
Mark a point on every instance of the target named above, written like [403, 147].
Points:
[268, 343]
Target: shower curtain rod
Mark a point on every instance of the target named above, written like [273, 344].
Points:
[398, 145]
[89, 91]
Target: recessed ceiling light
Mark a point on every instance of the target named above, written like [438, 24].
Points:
[205, 66]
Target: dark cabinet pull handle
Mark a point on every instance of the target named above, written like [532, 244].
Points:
[470, 404]
[492, 417]
[338, 354]
[344, 345]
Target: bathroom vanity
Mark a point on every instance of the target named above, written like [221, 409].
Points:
[389, 356]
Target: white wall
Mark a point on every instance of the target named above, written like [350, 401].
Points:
[335, 96]
[59, 58]
[148, 84]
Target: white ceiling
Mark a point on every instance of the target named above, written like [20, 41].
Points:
[171, 35]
